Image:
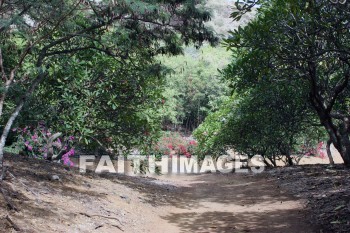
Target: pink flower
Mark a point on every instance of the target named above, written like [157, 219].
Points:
[66, 159]
[30, 148]
[193, 143]
[322, 155]
[182, 149]
[71, 152]
[320, 152]
[35, 137]
[319, 146]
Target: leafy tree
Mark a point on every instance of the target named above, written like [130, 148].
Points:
[194, 87]
[306, 41]
[207, 132]
[110, 108]
[270, 121]
[39, 39]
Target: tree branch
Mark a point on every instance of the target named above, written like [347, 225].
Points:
[339, 88]
[4, 78]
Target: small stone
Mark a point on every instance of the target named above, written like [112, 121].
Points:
[54, 177]
[127, 199]
[123, 197]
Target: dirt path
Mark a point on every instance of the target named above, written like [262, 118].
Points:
[193, 203]
[231, 203]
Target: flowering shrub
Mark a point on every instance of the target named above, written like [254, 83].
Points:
[41, 143]
[317, 151]
[174, 144]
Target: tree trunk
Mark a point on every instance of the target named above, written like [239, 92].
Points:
[339, 136]
[338, 133]
[289, 159]
[344, 148]
[8, 81]
[274, 161]
[340, 139]
[15, 113]
[267, 163]
[3, 96]
[7, 128]
[329, 153]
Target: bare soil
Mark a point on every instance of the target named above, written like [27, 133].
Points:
[324, 188]
[188, 203]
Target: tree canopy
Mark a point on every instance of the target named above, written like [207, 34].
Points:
[100, 50]
[296, 55]
[193, 87]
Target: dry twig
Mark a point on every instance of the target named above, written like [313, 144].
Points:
[13, 224]
[102, 216]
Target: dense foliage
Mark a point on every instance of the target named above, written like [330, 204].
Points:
[194, 87]
[172, 144]
[290, 72]
[39, 142]
[91, 64]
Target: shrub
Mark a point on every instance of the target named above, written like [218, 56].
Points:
[39, 142]
[317, 151]
[173, 143]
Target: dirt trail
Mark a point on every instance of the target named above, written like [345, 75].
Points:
[191, 203]
[232, 203]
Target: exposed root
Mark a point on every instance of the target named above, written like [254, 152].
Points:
[8, 201]
[3, 173]
[14, 225]
[102, 216]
